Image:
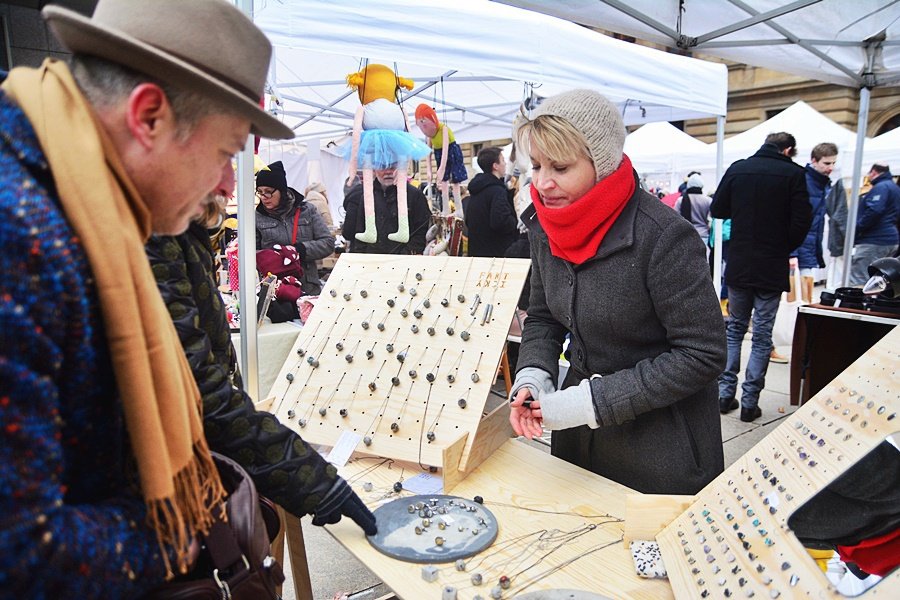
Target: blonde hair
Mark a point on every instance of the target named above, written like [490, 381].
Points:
[556, 137]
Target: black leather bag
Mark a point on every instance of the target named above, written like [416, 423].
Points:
[235, 561]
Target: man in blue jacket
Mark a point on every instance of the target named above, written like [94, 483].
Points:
[818, 184]
[876, 223]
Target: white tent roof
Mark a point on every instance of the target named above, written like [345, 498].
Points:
[883, 148]
[662, 148]
[806, 124]
[820, 39]
[475, 60]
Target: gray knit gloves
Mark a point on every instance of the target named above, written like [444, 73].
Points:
[564, 409]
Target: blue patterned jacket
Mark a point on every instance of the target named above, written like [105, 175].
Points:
[72, 521]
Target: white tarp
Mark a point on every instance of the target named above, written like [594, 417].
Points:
[477, 61]
[662, 149]
[820, 40]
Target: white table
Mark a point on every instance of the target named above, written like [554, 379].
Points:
[274, 341]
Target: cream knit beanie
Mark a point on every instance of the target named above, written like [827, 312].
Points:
[597, 119]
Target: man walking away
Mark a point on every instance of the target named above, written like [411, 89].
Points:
[765, 197]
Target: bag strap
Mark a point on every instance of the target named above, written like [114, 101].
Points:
[296, 221]
[223, 547]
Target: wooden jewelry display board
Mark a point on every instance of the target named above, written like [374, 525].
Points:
[402, 351]
[734, 540]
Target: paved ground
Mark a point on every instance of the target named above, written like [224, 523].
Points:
[335, 571]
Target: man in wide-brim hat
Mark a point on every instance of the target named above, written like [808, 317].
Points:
[106, 476]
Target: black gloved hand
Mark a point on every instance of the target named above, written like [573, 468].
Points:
[341, 500]
[301, 250]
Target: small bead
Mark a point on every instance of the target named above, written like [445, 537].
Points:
[414, 328]
[372, 386]
[380, 326]
[391, 302]
[446, 303]
[395, 427]
[465, 336]
[404, 313]
[460, 565]
[450, 331]
[390, 348]
[478, 499]
[413, 374]
[339, 346]
[367, 440]
[333, 293]
[418, 277]
[426, 303]
[367, 487]
[398, 486]
[417, 313]
[369, 354]
[289, 376]
[438, 541]
[451, 378]
[395, 381]
[430, 435]
[343, 412]
[475, 378]
[462, 402]
[365, 324]
[430, 377]
[291, 414]
[430, 331]
[322, 411]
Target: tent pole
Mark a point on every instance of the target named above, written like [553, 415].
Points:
[717, 242]
[862, 125]
[247, 256]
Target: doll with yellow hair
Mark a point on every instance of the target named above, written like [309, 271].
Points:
[451, 165]
[381, 141]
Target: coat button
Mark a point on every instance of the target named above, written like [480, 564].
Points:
[580, 355]
[568, 320]
[569, 280]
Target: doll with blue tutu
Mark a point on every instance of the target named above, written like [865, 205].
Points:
[381, 141]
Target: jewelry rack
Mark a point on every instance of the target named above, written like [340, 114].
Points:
[402, 350]
[734, 539]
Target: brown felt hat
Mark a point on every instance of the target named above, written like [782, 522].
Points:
[203, 46]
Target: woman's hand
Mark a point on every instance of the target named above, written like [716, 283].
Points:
[525, 414]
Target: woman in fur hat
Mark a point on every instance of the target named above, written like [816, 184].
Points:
[625, 278]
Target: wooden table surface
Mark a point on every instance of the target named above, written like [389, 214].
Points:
[527, 490]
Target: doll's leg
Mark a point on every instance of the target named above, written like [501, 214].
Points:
[370, 235]
[457, 200]
[402, 233]
[445, 198]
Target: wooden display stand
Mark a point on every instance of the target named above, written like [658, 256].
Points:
[447, 317]
[756, 496]
[827, 340]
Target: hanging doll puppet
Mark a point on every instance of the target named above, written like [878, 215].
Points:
[381, 141]
[451, 165]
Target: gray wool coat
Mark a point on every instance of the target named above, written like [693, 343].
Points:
[643, 314]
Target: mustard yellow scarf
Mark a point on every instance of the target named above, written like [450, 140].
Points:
[161, 401]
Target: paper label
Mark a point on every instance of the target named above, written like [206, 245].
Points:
[344, 447]
[424, 483]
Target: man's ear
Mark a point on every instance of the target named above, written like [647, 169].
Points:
[148, 113]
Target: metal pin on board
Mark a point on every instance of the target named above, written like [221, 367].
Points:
[488, 311]
[474, 308]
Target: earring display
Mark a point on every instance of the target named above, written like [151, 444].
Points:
[433, 529]
[735, 539]
[402, 315]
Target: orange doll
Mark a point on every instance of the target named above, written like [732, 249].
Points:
[451, 165]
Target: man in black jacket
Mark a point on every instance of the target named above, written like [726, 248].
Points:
[282, 465]
[490, 216]
[385, 189]
[765, 197]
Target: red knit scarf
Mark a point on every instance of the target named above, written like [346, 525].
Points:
[575, 231]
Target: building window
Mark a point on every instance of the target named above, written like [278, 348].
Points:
[772, 112]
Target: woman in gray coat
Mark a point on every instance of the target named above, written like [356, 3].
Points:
[284, 217]
[626, 279]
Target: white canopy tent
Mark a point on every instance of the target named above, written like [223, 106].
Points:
[475, 62]
[856, 44]
[497, 55]
[664, 153]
